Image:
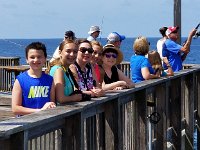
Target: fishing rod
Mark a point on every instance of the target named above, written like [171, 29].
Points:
[101, 28]
[197, 34]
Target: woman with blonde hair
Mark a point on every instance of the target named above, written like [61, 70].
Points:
[141, 69]
[63, 78]
[96, 60]
[156, 62]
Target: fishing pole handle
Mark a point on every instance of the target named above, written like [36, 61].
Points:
[197, 26]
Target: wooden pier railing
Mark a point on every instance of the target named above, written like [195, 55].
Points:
[6, 77]
[118, 121]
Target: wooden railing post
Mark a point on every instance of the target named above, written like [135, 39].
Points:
[175, 115]
[187, 92]
[141, 120]
[17, 141]
[161, 129]
[111, 125]
[6, 77]
[72, 133]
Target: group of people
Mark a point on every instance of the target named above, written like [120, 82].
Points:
[82, 68]
[164, 61]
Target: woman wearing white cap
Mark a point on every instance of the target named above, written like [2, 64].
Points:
[114, 79]
[94, 33]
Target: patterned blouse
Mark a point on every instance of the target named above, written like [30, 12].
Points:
[86, 80]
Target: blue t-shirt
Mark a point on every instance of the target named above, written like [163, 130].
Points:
[171, 50]
[35, 91]
[68, 85]
[137, 63]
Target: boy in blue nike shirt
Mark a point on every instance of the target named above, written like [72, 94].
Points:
[33, 90]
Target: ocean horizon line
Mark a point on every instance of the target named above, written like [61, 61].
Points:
[77, 38]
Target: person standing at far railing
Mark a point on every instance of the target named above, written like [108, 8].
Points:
[33, 90]
[174, 52]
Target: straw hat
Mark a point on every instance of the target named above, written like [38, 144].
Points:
[119, 53]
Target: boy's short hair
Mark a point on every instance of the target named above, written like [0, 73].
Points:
[37, 46]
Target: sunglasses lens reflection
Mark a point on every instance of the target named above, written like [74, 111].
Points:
[111, 55]
[84, 49]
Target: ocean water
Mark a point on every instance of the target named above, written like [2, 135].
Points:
[16, 47]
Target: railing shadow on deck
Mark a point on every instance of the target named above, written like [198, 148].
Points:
[117, 121]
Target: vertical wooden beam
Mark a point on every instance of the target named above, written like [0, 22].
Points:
[187, 115]
[112, 125]
[175, 114]
[177, 17]
[72, 137]
[141, 120]
[162, 125]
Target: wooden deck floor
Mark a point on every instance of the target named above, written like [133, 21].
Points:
[5, 107]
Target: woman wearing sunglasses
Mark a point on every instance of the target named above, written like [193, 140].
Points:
[114, 79]
[84, 72]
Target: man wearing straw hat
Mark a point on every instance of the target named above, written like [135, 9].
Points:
[94, 33]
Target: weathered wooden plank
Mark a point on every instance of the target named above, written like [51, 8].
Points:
[187, 84]
[141, 122]
[72, 133]
[175, 107]
[162, 124]
[111, 125]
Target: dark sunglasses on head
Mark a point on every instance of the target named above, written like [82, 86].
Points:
[111, 55]
[84, 49]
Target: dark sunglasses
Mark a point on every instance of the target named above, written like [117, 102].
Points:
[111, 55]
[84, 49]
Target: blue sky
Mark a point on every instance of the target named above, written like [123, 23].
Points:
[50, 19]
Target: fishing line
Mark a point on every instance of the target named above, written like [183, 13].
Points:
[14, 43]
[18, 45]
[101, 27]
